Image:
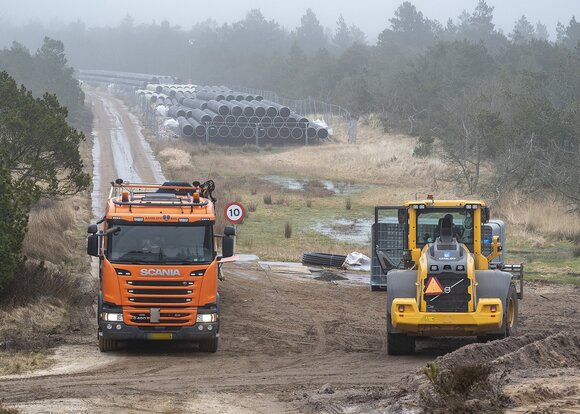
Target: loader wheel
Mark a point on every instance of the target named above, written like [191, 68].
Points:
[399, 344]
[209, 345]
[107, 345]
[510, 316]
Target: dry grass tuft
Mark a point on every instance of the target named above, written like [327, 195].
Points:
[252, 206]
[53, 229]
[17, 363]
[267, 199]
[287, 230]
[550, 218]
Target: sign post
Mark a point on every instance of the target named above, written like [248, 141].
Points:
[235, 213]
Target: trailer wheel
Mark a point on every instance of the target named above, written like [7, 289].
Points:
[209, 345]
[399, 344]
[107, 345]
[510, 316]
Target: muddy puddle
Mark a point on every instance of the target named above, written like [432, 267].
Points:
[324, 187]
[355, 231]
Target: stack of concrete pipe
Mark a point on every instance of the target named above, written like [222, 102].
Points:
[217, 112]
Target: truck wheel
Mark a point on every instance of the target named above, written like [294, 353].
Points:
[106, 344]
[399, 344]
[209, 345]
[510, 316]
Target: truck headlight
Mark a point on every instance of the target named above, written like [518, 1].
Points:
[206, 317]
[112, 317]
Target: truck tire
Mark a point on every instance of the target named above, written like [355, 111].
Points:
[209, 345]
[510, 316]
[107, 345]
[397, 343]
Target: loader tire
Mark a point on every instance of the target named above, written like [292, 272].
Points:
[397, 343]
[107, 345]
[510, 316]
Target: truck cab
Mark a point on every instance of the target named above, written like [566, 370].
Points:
[444, 270]
[158, 264]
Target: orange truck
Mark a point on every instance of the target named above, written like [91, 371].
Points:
[158, 264]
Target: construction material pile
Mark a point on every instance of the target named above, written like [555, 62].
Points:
[220, 114]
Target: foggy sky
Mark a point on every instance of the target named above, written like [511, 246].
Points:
[370, 15]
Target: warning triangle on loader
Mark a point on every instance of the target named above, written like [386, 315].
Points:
[433, 286]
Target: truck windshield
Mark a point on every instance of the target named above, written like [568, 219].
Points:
[429, 221]
[161, 244]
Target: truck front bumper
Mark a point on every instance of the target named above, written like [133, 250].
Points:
[121, 331]
[406, 318]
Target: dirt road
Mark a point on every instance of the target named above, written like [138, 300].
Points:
[119, 150]
[283, 337]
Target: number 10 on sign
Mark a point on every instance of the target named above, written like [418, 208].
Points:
[234, 212]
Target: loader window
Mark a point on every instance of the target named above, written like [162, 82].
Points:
[429, 225]
[161, 244]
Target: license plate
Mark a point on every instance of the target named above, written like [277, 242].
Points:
[160, 336]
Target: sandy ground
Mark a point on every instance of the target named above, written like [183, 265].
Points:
[288, 343]
[283, 337]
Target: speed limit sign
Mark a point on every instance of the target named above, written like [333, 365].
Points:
[234, 212]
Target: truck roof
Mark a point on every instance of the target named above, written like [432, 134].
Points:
[445, 203]
[161, 203]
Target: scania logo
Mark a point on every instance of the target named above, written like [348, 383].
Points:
[160, 272]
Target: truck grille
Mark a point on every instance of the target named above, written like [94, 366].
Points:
[173, 298]
[456, 300]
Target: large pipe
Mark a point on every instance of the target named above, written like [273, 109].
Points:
[261, 131]
[212, 131]
[266, 121]
[230, 97]
[247, 110]
[272, 132]
[208, 96]
[253, 121]
[200, 116]
[218, 107]
[235, 131]
[176, 112]
[195, 103]
[216, 119]
[235, 109]
[297, 133]
[242, 121]
[224, 131]
[199, 130]
[259, 109]
[291, 122]
[282, 110]
[230, 120]
[240, 97]
[185, 127]
[322, 133]
[248, 132]
[278, 121]
[284, 132]
[169, 92]
[311, 131]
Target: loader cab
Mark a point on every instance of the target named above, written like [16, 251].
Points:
[400, 233]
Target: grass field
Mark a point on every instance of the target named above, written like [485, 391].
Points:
[383, 170]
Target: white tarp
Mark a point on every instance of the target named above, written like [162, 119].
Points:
[357, 261]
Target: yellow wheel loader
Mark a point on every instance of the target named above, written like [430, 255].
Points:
[442, 266]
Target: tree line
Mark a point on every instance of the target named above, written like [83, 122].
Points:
[39, 150]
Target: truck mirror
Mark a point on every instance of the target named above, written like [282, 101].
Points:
[92, 229]
[403, 215]
[227, 246]
[93, 245]
[229, 231]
